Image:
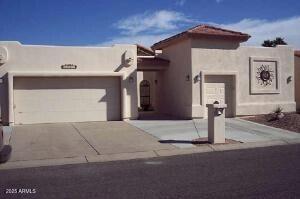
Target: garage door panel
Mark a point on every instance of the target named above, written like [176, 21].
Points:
[74, 99]
[51, 117]
[68, 82]
[34, 104]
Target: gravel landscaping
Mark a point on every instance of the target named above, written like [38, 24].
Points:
[290, 121]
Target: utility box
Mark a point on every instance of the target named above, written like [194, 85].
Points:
[216, 123]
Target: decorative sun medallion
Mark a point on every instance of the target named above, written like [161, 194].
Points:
[264, 75]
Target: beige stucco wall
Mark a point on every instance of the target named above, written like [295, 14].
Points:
[174, 89]
[297, 82]
[225, 57]
[27, 60]
[185, 99]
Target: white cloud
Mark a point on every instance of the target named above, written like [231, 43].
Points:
[261, 30]
[146, 40]
[149, 28]
[180, 2]
[159, 21]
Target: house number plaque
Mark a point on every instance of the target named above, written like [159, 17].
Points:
[69, 66]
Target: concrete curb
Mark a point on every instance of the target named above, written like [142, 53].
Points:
[247, 145]
[121, 156]
[144, 155]
[200, 149]
[41, 163]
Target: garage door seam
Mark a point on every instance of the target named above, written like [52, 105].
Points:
[98, 153]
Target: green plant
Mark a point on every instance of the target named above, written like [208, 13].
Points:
[278, 113]
[274, 43]
[278, 110]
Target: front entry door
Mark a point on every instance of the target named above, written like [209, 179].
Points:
[145, 95]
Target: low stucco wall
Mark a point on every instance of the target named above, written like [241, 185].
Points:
[27, 60]
[225, 58]
[297, 82]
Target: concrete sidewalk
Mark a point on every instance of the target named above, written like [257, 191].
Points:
[236, 129]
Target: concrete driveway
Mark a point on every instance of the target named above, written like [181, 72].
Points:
[236, 129]
[61, 140]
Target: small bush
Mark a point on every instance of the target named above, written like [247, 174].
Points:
[278, 110]
[277, 113]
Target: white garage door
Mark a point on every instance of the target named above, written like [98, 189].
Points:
[66, 99]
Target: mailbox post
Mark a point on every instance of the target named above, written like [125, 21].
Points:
[5, 148]
[216, 123]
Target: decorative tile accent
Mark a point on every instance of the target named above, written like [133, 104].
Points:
[264, 75]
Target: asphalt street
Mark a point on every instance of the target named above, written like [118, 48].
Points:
[272, 172]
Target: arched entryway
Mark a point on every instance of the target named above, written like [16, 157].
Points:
[145, 95]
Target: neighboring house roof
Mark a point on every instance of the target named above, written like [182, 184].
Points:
[143, 51]
[297, 53]
[203, 31]
[152, 64]
[147, 60]
[156, 60]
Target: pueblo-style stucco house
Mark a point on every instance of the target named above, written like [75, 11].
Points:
[177, 77]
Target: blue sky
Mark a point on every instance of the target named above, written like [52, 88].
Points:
[100, 22]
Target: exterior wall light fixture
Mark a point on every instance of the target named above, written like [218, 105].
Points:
[289, 79]
[197, 78]
[187, 78]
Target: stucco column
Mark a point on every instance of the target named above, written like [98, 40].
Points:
[216, 123]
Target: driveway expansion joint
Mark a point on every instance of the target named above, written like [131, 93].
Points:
[77, 130]
[154, 151]
[210, 146]
[86, 159]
